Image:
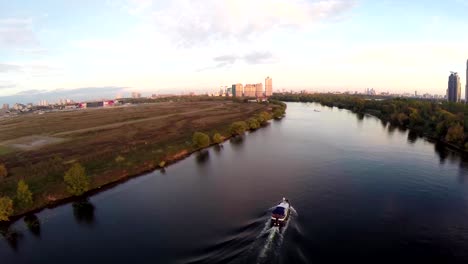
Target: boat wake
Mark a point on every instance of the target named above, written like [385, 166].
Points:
[256, 242]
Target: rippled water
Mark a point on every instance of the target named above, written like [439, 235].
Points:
[362, 191]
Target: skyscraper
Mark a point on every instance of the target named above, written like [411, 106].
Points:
[466, 84]
[268, 87]
[454, 88]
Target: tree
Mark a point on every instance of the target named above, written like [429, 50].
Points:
[253, 123]
[23, 195]
[266, 116]
[238, 128]
[6, 208]
[200, 140]
[217, 138]
[455, 134]
[278, 113]
[3, 171]
[76, 179]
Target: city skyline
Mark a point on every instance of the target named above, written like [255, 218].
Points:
[140, 45]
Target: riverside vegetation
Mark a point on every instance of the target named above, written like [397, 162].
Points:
[439, 120]
[124, 143]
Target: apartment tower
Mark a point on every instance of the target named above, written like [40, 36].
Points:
[259, 90]
[466, 84]
[268, 87]
[454, 88]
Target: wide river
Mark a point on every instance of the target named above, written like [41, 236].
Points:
[363, 192]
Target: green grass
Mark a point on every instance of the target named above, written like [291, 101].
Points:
[5, 150]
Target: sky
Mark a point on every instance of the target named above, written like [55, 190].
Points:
[98, 49]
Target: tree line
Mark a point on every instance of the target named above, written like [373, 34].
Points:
[75, 178]
[441, 120]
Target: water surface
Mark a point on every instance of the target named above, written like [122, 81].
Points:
[363, 192]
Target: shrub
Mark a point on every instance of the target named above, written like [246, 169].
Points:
[200, 140]
[6, 208]
[238, 128]
[217, 138]
[162, 164]
[253, 123]
[3, 171]
[119, 159]
[23, 195]
[278, 113]
[266, 116]
[76, 179]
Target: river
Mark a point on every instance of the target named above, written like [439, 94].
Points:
[362, 191]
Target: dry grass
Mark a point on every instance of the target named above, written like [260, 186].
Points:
[143, 135]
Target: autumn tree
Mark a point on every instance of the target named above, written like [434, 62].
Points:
[455, 134]
[3, 171]
[23, 195]
[238, 128]
[253, 123]
[200, 140]
[217, 138]
[6, 208]
[76, 179]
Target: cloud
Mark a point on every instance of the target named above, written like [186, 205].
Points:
[252, 58]
[78, 94]
[7, 86]
[17, 33]
[259, 58]
[9, 67]
[193, 22]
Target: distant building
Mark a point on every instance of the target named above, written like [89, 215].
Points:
[268, 87]
[454, 88]
[249, 90]
[136, 95]
[97, 104]
[259, 90]
[466, 85]
[5, 106]
[237, 90]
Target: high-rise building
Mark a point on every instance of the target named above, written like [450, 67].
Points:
[136, 95]
[249, 90]
[259, 90]
[466, 85]
[454, 88]
[268, 87]
[237, 90]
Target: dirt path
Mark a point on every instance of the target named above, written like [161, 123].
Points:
[115, 125]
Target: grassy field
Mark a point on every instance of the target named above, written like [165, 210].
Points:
[111, 143]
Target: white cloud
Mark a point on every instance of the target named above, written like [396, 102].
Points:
[193, 22]
[17, 32]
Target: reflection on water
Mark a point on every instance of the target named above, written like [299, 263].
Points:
[202, 156]
[33, 224]
[83, 211]
[218, 148]
[360, 117]
[412, 137]
[11, 235]
[237, 142]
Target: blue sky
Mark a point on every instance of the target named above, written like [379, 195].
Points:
[52, 49]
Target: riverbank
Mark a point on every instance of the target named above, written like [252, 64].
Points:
[114, 145]
[436, 120]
